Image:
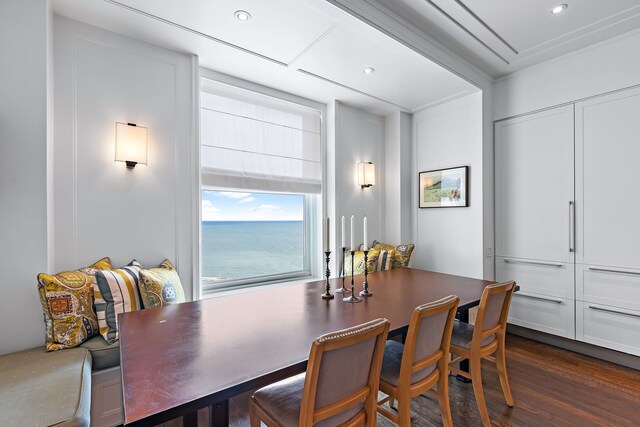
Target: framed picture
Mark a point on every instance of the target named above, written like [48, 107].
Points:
[444, 188]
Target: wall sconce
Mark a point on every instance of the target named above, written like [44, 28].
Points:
[366, 174]
[131, 144]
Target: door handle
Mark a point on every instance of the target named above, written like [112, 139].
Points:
[572, 225]
[610, 270]
[545, 264]
[610, 310]
[556, 300]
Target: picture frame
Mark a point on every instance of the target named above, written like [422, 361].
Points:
[444, 188]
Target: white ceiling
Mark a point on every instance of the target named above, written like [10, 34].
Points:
[308, 48]
[503, 36]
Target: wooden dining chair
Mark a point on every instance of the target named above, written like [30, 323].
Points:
[417, 366]
[340, 387]
[484, 339]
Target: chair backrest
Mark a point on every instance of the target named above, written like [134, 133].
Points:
[343, 375]
[428, 339]
[493, 312]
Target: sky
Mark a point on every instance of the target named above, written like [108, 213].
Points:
[240, 206]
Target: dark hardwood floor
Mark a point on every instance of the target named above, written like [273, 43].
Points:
[551, 387]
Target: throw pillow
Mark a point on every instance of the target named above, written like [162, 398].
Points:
[67, 305]
[161, 286]
[402, 255]
[116, 292]
[385, 260]
[358, 262]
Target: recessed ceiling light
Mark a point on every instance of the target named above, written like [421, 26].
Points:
[559, 8]
[242, 15]
[368, 70]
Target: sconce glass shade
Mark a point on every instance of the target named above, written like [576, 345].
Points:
[366, 174]
[131, 144]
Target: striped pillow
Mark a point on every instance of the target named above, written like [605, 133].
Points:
[385, 260]
[116, 293]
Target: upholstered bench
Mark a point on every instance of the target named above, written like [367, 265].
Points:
[40, 388]
[106, 383]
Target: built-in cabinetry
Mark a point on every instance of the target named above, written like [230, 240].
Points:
[568, 219]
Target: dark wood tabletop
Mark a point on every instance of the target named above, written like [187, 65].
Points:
[180, 358]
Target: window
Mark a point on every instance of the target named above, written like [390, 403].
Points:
[249, 237]
[261, 183]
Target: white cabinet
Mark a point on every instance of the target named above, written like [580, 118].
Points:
[534, 185]
[608, 326]
[543, 313]
[607, 185]
[534, 218]
[556, 200]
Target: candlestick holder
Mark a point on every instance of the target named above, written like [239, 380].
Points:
[343, 290]
[327, 288]
[353, 298]
[365, 285]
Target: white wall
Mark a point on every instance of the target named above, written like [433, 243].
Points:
[450, 240]
[611, 65]
[397, 180]
[24, 26]
[359, 136]
[101, 208]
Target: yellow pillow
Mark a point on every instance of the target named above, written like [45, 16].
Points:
[67, 305]
[358, 262]
[402, 253]
[161, 286]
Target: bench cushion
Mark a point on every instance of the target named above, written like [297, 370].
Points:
[40, 388]
[104, 355]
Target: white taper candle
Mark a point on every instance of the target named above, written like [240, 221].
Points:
[344, 237]
[353, 233]
[366, 244]
[327, 241]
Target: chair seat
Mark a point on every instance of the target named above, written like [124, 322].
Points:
[103, 354]
[391, 364]
[463, 333]
[282, 401]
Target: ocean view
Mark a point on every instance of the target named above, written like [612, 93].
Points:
[237, 249]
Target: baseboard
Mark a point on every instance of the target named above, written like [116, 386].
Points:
[598, 352]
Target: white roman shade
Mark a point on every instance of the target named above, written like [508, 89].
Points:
[253, 141]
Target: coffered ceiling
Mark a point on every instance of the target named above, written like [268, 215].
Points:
[309, 48]
[502, 36]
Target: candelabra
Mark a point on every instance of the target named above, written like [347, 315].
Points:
[327, 288]
[343, 290]
[365, 285]
[353, 298]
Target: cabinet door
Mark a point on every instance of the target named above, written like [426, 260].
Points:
[607, 191]
[534, 186]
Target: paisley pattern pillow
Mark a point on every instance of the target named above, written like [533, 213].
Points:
[161, 286]
[67, 305]
[358, 262]
[402, 255]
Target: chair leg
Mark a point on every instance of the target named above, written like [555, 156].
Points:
[443, 397]
[501, 364]
[404, 411]
[476, 380]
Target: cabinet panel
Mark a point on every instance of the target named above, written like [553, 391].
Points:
[606, 285]
[534, 185]
[542, 313]
[538, 277]
[607, 155]
[606, 326]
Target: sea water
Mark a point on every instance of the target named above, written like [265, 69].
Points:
[237, 249]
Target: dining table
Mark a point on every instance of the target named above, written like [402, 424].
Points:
[180, 358]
